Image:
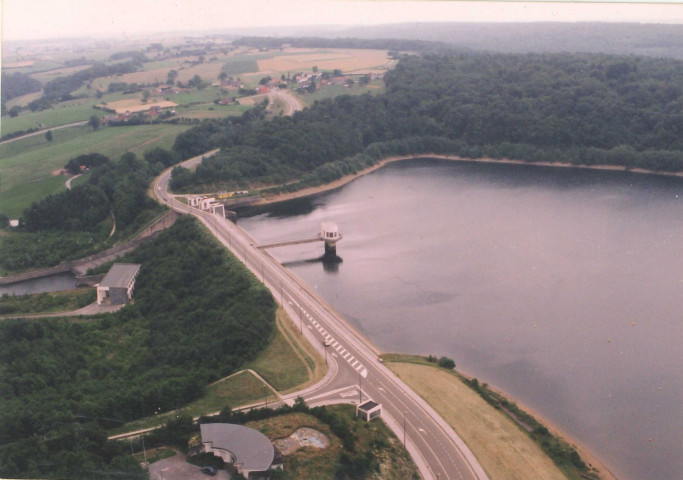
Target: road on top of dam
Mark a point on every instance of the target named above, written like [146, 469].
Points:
[356, 372]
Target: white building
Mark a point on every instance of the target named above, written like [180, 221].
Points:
[116, 288]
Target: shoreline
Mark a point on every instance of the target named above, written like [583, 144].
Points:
[584, 452]
[283, 197]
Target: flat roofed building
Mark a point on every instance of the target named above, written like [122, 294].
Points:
[369, 410]
[247, 449]
[116, 288]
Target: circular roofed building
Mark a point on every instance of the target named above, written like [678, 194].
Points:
[248, 450]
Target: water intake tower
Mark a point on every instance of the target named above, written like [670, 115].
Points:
[329, 233]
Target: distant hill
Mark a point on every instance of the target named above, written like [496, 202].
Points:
[656, 40]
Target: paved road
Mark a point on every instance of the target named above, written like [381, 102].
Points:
[436, 449]
[293, 104]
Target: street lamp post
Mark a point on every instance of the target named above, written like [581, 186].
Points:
[360, 389]
[404, 428]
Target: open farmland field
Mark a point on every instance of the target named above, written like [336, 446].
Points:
[23, 100]
[134, 105]
[48, 75]
[209, 71]
[61, 114]
[27, 165]
[330, 91]
[347, 60]
[202, 112]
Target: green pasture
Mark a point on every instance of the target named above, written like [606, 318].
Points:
[205, 95]
[240, 64]
[26, 165]
[375, 87]
[61, 114]
[16, 199]
[22, 100]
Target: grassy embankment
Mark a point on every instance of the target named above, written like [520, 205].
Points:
[501, 437]
[394, 463]
[46, 302]
[289, 363]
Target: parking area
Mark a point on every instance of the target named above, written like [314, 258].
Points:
[176, 468]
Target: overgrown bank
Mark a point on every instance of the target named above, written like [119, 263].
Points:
[509, 442]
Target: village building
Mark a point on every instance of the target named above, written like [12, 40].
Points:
[205, 203]
[195, 200]
[248, 450]
[116, 288]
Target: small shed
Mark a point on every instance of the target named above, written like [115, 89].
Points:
[116, 288]
[369, 410]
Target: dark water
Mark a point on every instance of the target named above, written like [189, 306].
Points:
[564, 288]
[53, 283]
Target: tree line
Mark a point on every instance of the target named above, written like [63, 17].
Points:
[393, 44]
[59, 89]
[198, 315]
[576, 108]
[16, 85]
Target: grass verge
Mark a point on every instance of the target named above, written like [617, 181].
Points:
[241, 388]
[47, 302]
[288, 363]
[502, 447]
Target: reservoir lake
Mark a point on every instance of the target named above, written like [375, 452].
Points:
[561, 287]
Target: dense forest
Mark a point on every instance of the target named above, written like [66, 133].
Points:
[581, 109]
[198, 315]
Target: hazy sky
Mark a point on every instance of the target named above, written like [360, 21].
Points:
[27, 19]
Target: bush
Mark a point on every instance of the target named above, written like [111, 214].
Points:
[448, 363]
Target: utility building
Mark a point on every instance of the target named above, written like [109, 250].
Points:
[369, 410]
[248, 450]
[116, 288]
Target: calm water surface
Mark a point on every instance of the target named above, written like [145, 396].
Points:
[563, 288]
[53, 283]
